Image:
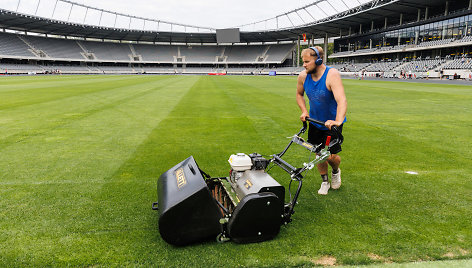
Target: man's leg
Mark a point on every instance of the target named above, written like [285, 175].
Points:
[334, 161]
[323, 169]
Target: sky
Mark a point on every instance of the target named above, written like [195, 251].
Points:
[216, 14]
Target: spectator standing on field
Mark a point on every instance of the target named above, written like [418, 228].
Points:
[325, 91]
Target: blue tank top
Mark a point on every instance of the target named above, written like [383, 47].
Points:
[323, 105]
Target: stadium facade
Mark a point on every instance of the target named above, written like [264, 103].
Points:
[390, 38]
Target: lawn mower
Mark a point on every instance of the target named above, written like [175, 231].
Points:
[248, 206]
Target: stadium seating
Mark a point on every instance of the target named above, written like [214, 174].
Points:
[244, 54]
[459, 63]
[108, 51]
[382, 66]
[201, 54]
[59, 49]
[353, 67]
[278, 53]
[71, 69]
[435, 43]
[12, 45]
[55, 47]
[465, 39]
[159, 53]
[19, 68]
[420, 65]
[55, 53]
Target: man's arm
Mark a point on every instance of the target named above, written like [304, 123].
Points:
[336, 86]
[300, 93]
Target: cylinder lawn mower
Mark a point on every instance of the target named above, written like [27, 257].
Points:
[248, 206]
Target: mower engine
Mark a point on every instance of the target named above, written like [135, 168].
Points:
[248, 176]
[250, 199]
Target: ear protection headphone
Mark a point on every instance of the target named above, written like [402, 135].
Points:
[319, 60]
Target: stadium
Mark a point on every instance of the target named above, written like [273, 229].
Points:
[96, 104]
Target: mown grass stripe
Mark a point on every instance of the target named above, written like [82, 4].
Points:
[91, 130]
[58, 113]
[53, 91]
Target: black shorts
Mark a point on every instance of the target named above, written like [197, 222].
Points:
[317, 136]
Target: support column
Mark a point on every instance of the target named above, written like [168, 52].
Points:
[470, 4]
[350, 29]
[385, 26]
[426, 13]
[419, 15]
[446, 11]
[325, 48]
[298, 52]
[360, 28]
[370, 43]
[372, 26]
[401, 18]
[417, 34]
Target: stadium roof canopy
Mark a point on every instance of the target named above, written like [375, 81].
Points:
[331, 26]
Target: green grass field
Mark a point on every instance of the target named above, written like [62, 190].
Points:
[80, 157]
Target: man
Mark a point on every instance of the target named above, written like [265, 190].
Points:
[325, 92]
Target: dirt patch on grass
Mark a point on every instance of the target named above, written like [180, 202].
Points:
[379, 258]
[459, 252]
[322, 261]
[325, 261]
[375, 257]
[449, 255]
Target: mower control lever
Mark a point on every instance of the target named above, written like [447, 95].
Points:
[328, 139]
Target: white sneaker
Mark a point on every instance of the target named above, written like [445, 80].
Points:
[324, 188]
[336, 179]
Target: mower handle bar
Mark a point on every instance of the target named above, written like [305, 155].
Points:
[334, 128]
[337, 139]
[312, 120]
